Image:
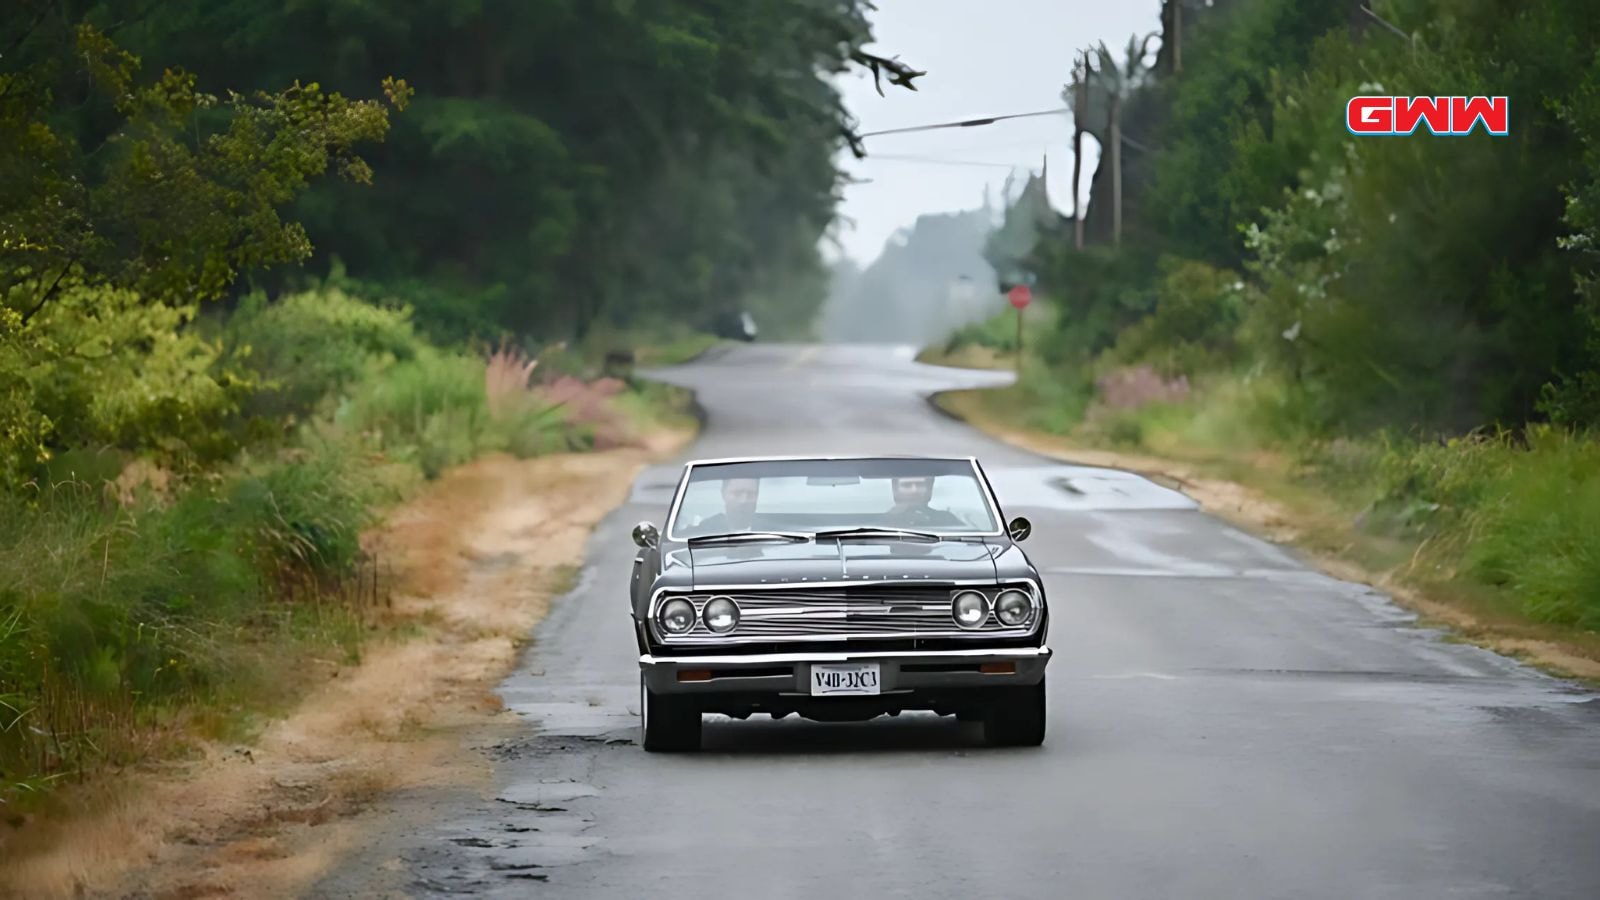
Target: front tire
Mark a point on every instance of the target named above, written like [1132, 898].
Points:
[670, 724]
[1016, 718]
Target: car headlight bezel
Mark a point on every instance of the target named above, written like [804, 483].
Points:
[711, 609]
[1005, 600]
[676, 603]
[964, 598]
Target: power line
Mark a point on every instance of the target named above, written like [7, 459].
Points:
[967, 123]
[892, 157]
[1143, 148]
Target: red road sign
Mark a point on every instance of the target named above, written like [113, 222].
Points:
[1020, 296]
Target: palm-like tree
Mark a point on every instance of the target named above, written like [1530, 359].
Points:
[1100, 88]
[1076, 93]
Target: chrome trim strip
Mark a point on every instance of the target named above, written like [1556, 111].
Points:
[1033, 622]
[827, 458]
[977, 471]
[760, 659]
[702, 639]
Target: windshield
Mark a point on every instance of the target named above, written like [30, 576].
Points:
[927, 495]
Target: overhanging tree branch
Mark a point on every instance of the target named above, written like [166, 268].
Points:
[51, 292]
[900, 74]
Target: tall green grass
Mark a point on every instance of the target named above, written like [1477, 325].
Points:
[1521, 514]
[115, 620]
[1515, 514]
[130, 618]
[434, 410]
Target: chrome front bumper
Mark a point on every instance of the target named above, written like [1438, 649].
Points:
[790, 673]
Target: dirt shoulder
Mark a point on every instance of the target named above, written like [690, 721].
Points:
[478, 557]
[1318, 531]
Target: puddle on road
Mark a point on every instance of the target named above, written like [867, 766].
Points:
[1081, 488]
[546, 793]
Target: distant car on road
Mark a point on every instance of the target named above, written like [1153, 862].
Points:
[736, 326]
[837, 589]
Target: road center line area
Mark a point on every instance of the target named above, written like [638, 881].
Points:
[1223, 721]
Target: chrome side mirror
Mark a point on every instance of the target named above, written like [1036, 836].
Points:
[646, 535]
[1019, 529]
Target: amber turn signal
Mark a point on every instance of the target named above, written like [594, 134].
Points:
[999, 668]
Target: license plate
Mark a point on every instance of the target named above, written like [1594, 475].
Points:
[844, 678]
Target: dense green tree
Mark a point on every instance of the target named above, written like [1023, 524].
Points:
[1413, 283]
[564, 161]
[125, 203]
[1234, 61]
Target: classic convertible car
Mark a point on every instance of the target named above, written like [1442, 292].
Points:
[837, 589]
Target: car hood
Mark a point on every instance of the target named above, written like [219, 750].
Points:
[753, 565]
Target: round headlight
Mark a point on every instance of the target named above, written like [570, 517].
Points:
[969, 609]
[676, 616]
[721, 615]
[1013, 607]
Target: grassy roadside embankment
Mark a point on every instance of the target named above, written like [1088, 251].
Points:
[1495, 538]
[476, 556]
[168, 623]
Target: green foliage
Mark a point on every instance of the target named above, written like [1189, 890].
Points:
[1194, 325]
[1409, 284]
[1403, 317]
[304, 349]
[99, 366]
[164, 189]
[187, 487]
[1100, 291]
[1540, 530]
[124, 204]
[1236, 60]
[434, 410]
[1520, 516]
[303, 515]
[564, 164]
[998, 333]
[113, 615]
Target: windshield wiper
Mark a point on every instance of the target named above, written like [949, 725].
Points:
[732, 536]
[879, 532]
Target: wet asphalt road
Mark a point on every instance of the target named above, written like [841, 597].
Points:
[1224, 722]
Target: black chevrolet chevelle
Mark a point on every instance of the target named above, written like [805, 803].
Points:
[838, 589]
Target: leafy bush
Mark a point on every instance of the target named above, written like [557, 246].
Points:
[997, 333]
[113, 616]
[302, 515]
[1054, 401]
[1437, 485]
[306, 348]
[1194, 325]
[431, 409]
[1537, 532]
[1521, 515]
[99, 366]
[434, 410]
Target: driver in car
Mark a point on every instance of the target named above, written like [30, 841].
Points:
[911, 509]
[739, 497]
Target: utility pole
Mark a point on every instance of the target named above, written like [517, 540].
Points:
[1116, 170]
[1390, 27]
[1177, 35]
[1019, 343]
[1080, 88]
[1019, 296]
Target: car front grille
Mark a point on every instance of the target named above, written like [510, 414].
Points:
[839, 614]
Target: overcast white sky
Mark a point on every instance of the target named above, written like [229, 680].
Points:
[984, 58]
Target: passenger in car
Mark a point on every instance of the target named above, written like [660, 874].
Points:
[911, 509]
[739, 496]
